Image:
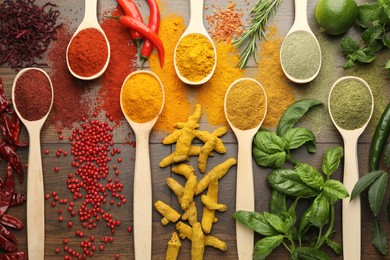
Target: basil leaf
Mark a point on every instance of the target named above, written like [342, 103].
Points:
[288, 182]
[387, 153]
[349, 45]
[310, 176]
[265, 246]
[379, 238]
[376, 193]
[309, 253]
[268, 149]
[336, 247]
[255, 221]
[331, 160]
[293, 113]
[296, 137]
[335, 190]
[275, 221]
[278, 203]
[304, 224]
[364, 182]
[371, 34]
[319, 211]
[291, 218]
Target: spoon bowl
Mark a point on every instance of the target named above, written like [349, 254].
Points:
[89, 21]
[196, 26]
[351, 218]
[142, 205]
[35, 186]
[301, 25]
[245, 196]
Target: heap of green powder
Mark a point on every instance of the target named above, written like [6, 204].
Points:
[350, 104]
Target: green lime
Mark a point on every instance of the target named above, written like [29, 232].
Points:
[336, 16]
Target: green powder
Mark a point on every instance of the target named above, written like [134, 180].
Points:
[300, 55]
[350, 104]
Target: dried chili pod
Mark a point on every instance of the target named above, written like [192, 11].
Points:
[7, 234]
[10, 127]
[6, 191]
[12, 157]
[4, 103]
[14, 256]
[17, 199]
[7, 245]
[15, 130]
[11, 221]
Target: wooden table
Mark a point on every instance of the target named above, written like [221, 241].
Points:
[225, 228]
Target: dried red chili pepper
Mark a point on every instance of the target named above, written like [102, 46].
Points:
[6, 191]
[154, 24]
[12, 157]
[131, 9]
[17, 199]
[7, 234]
[14, 256]
[4, 103]
[11, 221]
[10, 128]
[7, 245]
[145, 31]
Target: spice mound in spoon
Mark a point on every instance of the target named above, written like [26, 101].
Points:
[87, 53]
[33, 95]
[300, 55]
[195, 57]
[246, 104]
[350, 103]
[141, 97]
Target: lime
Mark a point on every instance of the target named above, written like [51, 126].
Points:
[336, 16]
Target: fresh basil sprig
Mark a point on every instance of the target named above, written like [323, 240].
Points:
[301, 186]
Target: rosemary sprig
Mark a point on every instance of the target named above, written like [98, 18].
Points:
[261, 13]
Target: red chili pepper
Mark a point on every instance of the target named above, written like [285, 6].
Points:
[7, 234]
[12, 157]
[145, 31]
[131, 9]
[11, 221]
[14, 256]
[4, 103]
[10, 128]
[6, 191]
[7, 245]
[154, 24]
[17, 199]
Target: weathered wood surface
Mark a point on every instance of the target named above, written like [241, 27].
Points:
[225, 228]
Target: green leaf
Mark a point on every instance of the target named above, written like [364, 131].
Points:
[295, 112]
[331, 160]
[387, 156]
[304, 224]
[275, 221]
[288, 182]
[268, 149]
[309, 253]
[349, 45]
[310, 176]
[296, 137]
[319, 211]
[376, 193]
[265, 246]
[373, 48]
[350, 64]
[336, 247]
[255, 221]
[368, 13]
[291, 218]
[278, 203]
[335, 190]
[379, 238]
[364, 56]
[364, 182]
[387, 66]
[371, 34]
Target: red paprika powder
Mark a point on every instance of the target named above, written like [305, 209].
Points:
[88, 52]
[33, 94]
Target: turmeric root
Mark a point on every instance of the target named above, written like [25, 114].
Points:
[205, 151]
[191, 214]
[209, 214]
[184, 169]
[197, 242]
[205, 136]
[189, 191]
[168, 213]
[212, 205]
[173, 247]
[175, 188]
[219, 171]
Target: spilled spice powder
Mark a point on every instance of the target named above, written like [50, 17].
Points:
[280, 91]
[68, 91]
[177, 106]
[123, 61]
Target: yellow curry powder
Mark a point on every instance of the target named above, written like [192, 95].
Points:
[141, 97]
[280, 91]
[246, 104]
[195, 57]
[177, 106]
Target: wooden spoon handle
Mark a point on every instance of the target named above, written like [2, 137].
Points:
[35, 200]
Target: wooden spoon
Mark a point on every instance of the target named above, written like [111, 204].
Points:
[300, 24]
[35, 187]
[90, 21]
[245, 195]
[196, 26]
[351, 218]
[142, 206]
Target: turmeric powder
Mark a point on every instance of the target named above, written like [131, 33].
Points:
[142, 97]
[195, 57]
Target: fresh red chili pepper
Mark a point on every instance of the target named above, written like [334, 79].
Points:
[17, 199]
[14, 256]
[154, 24]
[131, 9]
[11, 221]
[12, 157]
[145, 31]
[7, 245]
[7, 234]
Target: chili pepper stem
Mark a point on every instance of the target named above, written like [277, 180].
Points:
[112, 17]
[142, 62]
